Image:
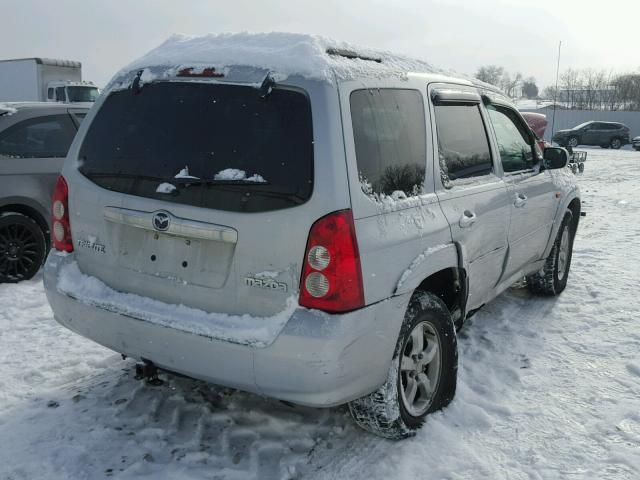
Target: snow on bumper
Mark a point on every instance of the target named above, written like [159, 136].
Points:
[316, 359]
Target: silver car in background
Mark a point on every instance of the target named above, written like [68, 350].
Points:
[34, 139]
[317, 240]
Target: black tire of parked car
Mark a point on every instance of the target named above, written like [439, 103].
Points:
[383, 412]
[573, 142]
[22, 247]
[550, 280]
[616, 143]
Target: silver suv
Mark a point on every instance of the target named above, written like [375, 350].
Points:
[314, 239]
[34, 140]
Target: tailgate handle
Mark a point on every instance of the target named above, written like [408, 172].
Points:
[179, 227]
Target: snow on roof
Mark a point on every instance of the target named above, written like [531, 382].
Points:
[283, 54]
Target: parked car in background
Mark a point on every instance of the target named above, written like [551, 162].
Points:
[603, 134]
[316, 238]
[636, 143]
[34, 139]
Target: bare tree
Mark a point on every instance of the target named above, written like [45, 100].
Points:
[510, 84]
[529, 88]
[490, 74]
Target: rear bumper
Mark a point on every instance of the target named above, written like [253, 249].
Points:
[317, 359]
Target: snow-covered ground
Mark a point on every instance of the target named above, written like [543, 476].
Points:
[549, 388]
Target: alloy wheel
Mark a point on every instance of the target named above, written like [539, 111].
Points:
[19, 251]
[420, 364]
[563, 254]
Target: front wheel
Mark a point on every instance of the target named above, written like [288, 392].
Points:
[572, 142]
[422, 376]
[552, 278]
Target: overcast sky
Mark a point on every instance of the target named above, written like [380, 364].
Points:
[521, 35]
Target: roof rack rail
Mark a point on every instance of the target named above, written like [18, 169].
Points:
[340, 52]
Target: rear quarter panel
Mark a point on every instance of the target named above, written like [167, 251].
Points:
[403, 242]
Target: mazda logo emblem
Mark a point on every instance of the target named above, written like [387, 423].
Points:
[161, 221]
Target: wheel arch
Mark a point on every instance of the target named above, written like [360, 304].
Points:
[438, 270]
[572, 204]
[30, 211]
[575, 207]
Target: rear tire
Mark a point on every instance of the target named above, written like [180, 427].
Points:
[22, 247]
[552, 278]
[616, 143]
[422, 375]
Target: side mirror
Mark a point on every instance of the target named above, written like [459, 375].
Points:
[555, 158]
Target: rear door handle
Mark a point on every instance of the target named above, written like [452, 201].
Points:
[521, 200]
[467, 219]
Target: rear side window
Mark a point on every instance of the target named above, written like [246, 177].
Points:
[463, 146]
[41, 137]
[208, 145]
[390, 140]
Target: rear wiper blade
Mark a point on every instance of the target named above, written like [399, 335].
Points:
[133, 176]
[198, 183]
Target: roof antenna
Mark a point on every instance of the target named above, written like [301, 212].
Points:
[267, 86]
[555, 92]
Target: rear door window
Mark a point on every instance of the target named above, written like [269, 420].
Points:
[463, 146]
[41, 137]
[390, 140]
[208, 145]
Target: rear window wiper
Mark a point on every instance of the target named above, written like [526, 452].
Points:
[182, 183]
[132, 176]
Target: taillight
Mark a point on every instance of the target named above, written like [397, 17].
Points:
[61, 227]
[331, 275]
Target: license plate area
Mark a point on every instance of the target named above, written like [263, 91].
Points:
[185, 260]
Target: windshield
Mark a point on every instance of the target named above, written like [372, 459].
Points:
[82, 94]
[209, 145]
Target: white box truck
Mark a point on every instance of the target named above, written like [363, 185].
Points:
[44, 80]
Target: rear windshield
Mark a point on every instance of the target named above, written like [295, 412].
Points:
[214, 146]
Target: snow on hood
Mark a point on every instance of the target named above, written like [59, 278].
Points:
[282, 54]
